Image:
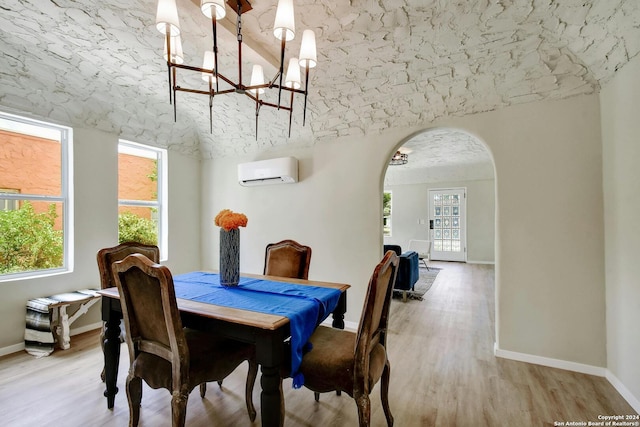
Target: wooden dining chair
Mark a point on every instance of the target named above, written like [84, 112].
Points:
[353, 362]
[108, 256]
[287, 258]
[161, 351]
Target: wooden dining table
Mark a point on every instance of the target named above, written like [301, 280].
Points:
[268, 332]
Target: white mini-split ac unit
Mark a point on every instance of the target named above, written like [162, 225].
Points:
[283, 170]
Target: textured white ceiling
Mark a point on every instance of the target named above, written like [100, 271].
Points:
[381, 64]
[442, 155]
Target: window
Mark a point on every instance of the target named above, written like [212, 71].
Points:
[35, 198]
[386, 213]
[142, 195]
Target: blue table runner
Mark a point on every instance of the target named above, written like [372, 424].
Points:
[305, 306]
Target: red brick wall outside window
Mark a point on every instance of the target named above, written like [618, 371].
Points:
[134, 182]
[32, 165]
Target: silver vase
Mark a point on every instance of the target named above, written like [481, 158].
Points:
[229, 257]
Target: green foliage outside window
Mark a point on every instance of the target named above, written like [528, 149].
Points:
[386, 204]
[29, 241]
[386, 214]
[133, 228]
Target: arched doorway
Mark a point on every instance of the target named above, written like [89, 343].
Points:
[442, 159]
[445, 158]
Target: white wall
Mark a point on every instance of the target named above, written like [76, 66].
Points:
[328, 209]
[620, 100]
[410, 203]
[96, 226]
[184, 213]
[550, 268]
[549, 247]
[549, 244]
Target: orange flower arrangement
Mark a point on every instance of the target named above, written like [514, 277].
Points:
[229, 220]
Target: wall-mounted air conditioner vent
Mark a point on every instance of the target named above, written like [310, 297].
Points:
[283, 170]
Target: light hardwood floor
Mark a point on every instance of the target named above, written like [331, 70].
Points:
[443, 374]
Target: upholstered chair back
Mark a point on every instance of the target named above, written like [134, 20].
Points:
[108, 256]
[287, 258]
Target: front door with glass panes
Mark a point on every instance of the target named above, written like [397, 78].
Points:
[447, 210]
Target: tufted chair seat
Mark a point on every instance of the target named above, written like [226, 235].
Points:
[325, 367]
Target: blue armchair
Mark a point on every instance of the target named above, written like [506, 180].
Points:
[408, 269]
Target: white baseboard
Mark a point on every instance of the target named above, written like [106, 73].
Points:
[348, 326]
[575, 367]
[351, 326]
[74, 331]
[480, 262]
[624, 391]
[85, 328]
[11, 349]
[552, 363]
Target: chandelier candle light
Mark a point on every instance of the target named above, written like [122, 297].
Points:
[167, 23]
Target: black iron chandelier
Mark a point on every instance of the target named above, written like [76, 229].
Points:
[167, 23]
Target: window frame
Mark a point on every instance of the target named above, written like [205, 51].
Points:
[4, 201]
[28, 126]
[161, 202]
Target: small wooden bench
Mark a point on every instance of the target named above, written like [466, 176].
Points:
[49, 323]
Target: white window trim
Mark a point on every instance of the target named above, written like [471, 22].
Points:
[142, 150]
[51, 131]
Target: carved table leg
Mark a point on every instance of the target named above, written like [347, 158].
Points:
[111, 356]
[270, 355]
[338, 318]
[338, 313]
[271, 398]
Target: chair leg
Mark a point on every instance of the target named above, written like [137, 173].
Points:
[404, 296]
[134, 397]
[251, 380]
[220, 384]
[384, 393]
[179, 408]
[203, 389]
[316, 396]
[364, 409]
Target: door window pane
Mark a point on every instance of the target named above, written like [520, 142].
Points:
[448, 223]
